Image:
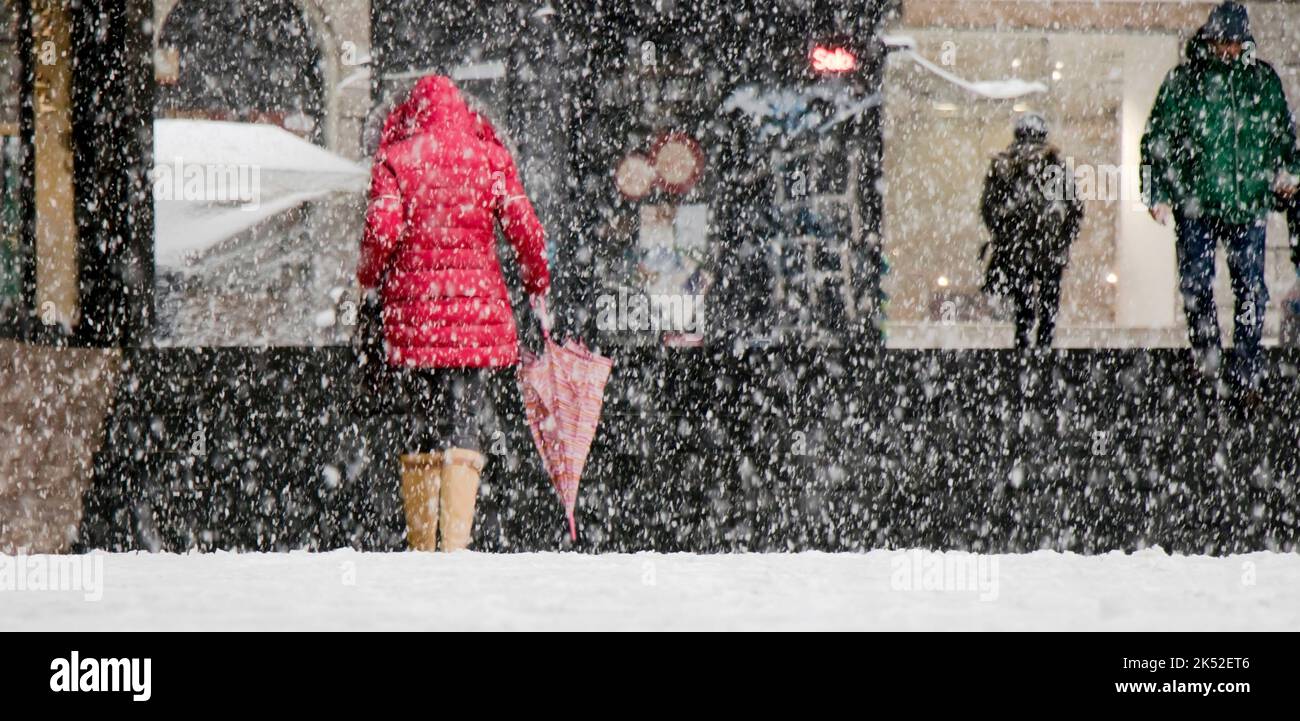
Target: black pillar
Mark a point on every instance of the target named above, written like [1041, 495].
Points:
[18, 322]
[113, 104]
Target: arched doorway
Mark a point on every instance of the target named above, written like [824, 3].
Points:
[249, 62]
[256, 228]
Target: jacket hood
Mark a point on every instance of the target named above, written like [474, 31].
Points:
[1230, 22]
[433, 105]
[1198, 51]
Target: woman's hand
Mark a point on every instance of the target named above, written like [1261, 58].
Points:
[1286, 185]
[1162, 213]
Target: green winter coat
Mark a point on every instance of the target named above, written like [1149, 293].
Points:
[1217, 137]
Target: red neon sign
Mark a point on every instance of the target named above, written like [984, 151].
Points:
[833, 60]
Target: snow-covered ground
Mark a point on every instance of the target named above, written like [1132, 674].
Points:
[882, 590]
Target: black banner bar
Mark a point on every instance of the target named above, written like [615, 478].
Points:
[920, 672]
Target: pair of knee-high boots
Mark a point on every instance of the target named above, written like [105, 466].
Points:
[439, 491]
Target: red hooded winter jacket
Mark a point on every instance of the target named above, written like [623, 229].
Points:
[440, 183]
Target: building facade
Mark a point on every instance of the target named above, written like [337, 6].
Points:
[785, 161]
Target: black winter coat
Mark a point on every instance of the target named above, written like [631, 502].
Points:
[1032, 210]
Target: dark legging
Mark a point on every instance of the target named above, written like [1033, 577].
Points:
[447, 404]
[1037, 306]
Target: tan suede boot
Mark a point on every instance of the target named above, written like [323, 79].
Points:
[460, 479]
[421, 482]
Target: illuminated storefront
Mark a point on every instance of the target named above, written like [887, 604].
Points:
[700, 187]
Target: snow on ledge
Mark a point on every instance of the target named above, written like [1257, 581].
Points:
[1009, 89]
[281, 169]
[879, 590]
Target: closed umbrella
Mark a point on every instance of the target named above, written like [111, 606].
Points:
[564, 391]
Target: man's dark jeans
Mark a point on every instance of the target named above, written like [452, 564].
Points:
[1197, 240]
[1037, 302]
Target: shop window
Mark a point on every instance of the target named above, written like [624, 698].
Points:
[259, 193]
[1121, 286]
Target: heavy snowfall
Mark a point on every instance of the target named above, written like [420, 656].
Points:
[662, 314]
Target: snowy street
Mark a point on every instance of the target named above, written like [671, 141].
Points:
[881, 590]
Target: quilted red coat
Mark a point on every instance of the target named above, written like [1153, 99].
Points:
[441, 182]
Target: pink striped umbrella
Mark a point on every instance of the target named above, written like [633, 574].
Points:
[564, 390]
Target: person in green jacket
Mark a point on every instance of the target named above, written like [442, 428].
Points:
[1219, 147]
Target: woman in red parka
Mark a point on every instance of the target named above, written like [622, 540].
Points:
[442, 181]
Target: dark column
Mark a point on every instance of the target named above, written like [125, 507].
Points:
[26, 265]
[869, 249]
[113, 101]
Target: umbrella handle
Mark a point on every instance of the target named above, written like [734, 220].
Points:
[538, 302]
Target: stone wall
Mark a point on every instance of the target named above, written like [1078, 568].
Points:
[53, 403]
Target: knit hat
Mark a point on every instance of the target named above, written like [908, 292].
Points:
[1228, 23]
[1031, 126]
